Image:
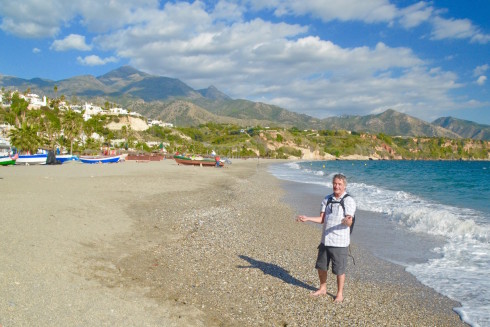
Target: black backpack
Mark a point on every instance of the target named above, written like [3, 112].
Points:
[341, 202]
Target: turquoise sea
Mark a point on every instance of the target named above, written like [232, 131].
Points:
[433, 217]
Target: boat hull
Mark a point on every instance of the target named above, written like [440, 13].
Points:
[31, 159]
[181, 160]
[7, 161]
[66, 158]
[100, 159]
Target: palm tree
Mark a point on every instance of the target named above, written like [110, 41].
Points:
[9, 117]
[25, 138]
[34, 117]
[51, 126]
[19, 108]
[72, 124]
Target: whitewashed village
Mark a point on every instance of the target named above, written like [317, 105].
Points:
[127, 120]
[32, 124]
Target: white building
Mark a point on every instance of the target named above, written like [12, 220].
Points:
[118, 111]
[91, 110]
[35, 101]
[135, 114]
[155, 122]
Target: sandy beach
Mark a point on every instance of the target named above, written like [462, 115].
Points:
[157, 244]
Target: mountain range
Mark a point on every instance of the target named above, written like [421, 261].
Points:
[171, 100]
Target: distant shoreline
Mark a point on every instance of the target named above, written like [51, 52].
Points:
[363, 158]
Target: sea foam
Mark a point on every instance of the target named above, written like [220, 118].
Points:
[461, 272]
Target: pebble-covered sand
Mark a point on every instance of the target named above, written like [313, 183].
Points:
[157, 244]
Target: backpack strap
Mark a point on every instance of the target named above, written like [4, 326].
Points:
[330, 200]
[341, 202]
[353, 217]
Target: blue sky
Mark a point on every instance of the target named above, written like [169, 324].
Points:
[324, 58]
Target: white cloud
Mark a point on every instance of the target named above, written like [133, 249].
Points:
[27, 29]
[378, 11]
[41, 18]
[442, 28]
[481, 80]
[415, 14]
[34, 18]
[327, 10]
[36, 50]
[71, 42]
[481, 38]
[479, 70]
[278, 63]
[229, 11]
[417, 91]
[94, 60]
[122, 13]
[457, 29]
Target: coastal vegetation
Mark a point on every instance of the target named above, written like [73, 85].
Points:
[269, 142]
[50, 127]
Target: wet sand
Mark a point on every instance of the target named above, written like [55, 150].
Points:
[157, 244]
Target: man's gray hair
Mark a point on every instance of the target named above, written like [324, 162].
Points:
[341, 177]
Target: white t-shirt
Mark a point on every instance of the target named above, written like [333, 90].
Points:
[334, 233]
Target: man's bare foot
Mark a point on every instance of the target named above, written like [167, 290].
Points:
[339, 299]
[319, 292]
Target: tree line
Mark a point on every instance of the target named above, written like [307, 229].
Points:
[50, 127]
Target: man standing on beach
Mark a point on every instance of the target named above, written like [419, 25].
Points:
[336, 220]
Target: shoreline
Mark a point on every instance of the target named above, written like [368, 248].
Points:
[161, 244]
[367, 158]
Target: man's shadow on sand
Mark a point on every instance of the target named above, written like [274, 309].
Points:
[275, 271]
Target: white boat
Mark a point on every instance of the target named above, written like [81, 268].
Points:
[32, 159]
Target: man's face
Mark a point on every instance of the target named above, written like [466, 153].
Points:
[338, 187]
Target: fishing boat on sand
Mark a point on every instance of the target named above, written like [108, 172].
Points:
[8, 160]
[101, 159]
[196, 161]
[66, 158]
[32, 159]
[42, 158]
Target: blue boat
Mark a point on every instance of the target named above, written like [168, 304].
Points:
[100, 159]
[66, 158]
